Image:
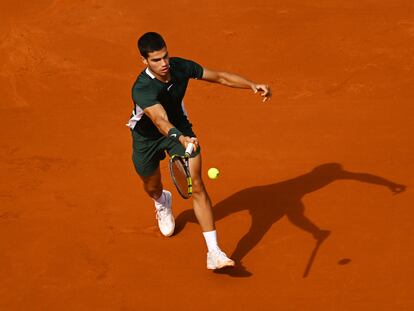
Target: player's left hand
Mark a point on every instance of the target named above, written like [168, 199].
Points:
[264, 89]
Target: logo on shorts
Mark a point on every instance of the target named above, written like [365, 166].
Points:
[173, 135]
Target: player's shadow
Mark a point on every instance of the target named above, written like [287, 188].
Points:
[269, 203]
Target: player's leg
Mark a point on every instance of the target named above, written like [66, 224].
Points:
[146, 157]
[162, 201]
[201, 201]
[152, 184]
[216, 259]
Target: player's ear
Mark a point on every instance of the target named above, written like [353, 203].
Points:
[144, 60]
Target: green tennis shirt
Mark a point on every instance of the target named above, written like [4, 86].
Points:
[148, 91]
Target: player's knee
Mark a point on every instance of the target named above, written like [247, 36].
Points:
[198, 186]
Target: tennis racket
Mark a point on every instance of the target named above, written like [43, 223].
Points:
[180, 172]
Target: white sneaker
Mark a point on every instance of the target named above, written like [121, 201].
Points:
[216, 259]
[165, 216]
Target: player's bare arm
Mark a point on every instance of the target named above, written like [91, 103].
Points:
[234, 80]
[159, 117]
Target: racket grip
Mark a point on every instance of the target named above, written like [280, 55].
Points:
[189, 149]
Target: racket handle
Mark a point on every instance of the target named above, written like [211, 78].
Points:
[189, 149]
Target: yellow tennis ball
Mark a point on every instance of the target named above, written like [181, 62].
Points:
[213, 173]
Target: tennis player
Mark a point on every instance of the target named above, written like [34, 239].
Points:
[159, 124]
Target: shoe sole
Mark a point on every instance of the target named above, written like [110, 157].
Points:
[169, 234]
[227, 264]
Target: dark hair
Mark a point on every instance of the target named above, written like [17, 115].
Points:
[150, 42]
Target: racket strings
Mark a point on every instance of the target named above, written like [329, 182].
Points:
[180, 176]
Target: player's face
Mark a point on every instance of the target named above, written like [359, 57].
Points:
[158, 62]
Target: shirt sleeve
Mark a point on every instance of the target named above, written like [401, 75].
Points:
[145, 96]
[193, 69]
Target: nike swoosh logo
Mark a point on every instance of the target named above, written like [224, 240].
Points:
[168, 88]
[173, 135]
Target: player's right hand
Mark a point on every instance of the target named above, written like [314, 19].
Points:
[186, 140]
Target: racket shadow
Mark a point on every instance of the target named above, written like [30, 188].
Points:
[269, 203]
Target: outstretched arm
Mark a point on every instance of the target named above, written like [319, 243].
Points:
[233, 80]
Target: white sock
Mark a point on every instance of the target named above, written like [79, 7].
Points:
[211, 240]
[160, 200]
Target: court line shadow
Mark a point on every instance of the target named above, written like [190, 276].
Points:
[269, 203]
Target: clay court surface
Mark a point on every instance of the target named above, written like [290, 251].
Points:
[77, 232]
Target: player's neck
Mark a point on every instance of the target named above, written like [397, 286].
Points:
[166, 78]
